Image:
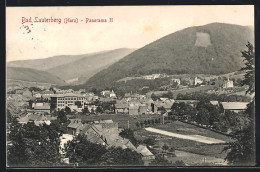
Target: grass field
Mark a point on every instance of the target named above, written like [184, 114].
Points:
[210, 150]
[195, 159]
[184, 128]
[191, 90]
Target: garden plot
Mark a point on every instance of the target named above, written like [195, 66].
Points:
[197, 138]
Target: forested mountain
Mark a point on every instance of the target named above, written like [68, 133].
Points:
[209, 49]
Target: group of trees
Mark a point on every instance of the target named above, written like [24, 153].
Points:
[129, 134]
[141, 86]
[101, 107]
[207, 96]
[210, 115]
[33, 145]
[168, 95]
[148, 122]
[85, 153]
[242, 150]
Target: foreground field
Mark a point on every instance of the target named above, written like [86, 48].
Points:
[196, 159]
[212, 152]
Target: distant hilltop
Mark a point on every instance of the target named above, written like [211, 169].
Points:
[74, 69]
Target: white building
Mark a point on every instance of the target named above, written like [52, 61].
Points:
[197, 81]
[228, 84]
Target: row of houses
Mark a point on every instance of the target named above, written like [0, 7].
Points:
[36, 118]
[106, 132]
[143, 107]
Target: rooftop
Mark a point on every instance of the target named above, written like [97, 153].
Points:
[234, 105]
[144, 150]
[67, 95]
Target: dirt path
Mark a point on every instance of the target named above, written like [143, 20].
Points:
[197, 138]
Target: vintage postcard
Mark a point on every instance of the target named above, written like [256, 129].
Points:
[98, 86]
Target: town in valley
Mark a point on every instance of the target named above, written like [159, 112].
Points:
[142, 86]
[188, 123]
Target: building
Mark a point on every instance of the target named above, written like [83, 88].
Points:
[153, 76]
[197, 81]
[143, 109]
[36, 118]
[47, 93]
[108, 93]
[91, 107]
[178, 81]
[60, 101]
[74, 124]
[133, 109]
[215, 103]
[112, 94]
[235, 106]
[192, 103]
[121, 108]
[37, 95]
[146, 154]
[105, 132]
[45, 107]
[157, 104]
[227, 84]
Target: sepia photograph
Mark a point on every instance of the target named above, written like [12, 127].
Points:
[130, 86]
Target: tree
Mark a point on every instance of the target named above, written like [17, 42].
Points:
[242, 150]
[34, 89]
[137, 124]
[203, 116]
[83, 152]
[85, 110]
[169, 95]
[99, 109]
[249, 60]
[178, 109]
[128, 134]
[165, 147]
[94, 90]
[119, 156]
[172, 149]
[141, 124]
[154, 97]
[78, 103]
[67, 109]
[162, 109]
[62, 116]
[160, 161]
[52, 89]
[33, 146]
[149, 142]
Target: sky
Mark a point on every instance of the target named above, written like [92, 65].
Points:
[132, 27]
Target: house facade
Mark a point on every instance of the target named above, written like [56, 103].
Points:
[60, 101]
